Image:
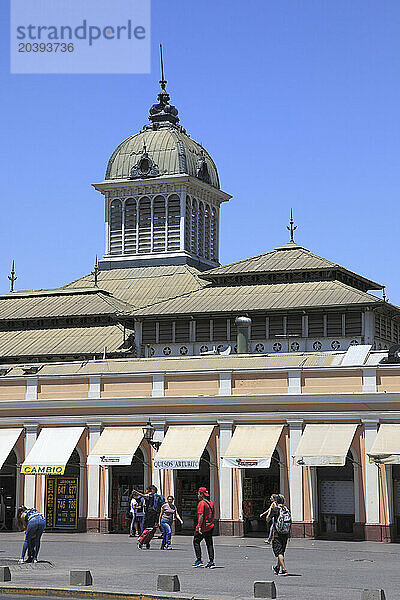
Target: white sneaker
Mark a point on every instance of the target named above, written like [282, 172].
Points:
[20, 560]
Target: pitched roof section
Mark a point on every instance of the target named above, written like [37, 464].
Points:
[141, 286]
[42, 304]
[64, 341]
[290, 257]
[262, 297]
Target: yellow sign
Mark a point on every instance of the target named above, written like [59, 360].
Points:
[42, 469]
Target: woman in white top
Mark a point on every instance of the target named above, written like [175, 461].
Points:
[137, 515]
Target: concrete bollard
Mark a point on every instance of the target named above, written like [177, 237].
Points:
[373, 595]
[264, 589]
[5, 574]
[168, 583]
[80, 578]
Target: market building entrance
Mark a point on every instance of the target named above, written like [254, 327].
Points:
[8, 491]
[124, 480]
[336, 500]
[258, 485]
[187, 482]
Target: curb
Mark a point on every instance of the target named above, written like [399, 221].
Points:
[73, 593]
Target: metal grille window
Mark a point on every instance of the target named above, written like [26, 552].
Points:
[334, 324]
[188, 224]
[315, 325]
[214, 234]
[396, 332]
[294, 324]
[233, 335]
[144, 225]
[258, 327]
[174, 223]
[201, 230]
[159, 220]
[193, 236]
[353, 323]
[220, 330]
[130, 226]
[182, 329]
[165, 332]
[202, 330]
[149, 332]
[207, 228]
[116, 227]
[276, 325]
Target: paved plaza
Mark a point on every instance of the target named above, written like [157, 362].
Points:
[318, 569]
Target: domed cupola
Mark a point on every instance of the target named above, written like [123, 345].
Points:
[162, 196]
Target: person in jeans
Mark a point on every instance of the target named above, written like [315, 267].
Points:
[280, 514]
[139, 514]
[33, 522]
[266, 515]
[167, 515]
[204, 528]
[153, 504]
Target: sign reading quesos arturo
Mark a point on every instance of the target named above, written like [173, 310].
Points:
[177, 463]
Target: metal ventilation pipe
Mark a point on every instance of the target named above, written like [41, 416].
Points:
[242, 324]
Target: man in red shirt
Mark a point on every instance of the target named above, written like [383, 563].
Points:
[204, 528]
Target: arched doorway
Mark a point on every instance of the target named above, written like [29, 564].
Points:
[124, 480]
[8, 491]
[336, 499]
[187, 482]
[62, 496]
[257, 486]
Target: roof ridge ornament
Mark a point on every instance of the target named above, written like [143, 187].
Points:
[163, 112]
[291, 227]
[12, 277]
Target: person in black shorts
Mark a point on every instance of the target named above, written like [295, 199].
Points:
[280, 516]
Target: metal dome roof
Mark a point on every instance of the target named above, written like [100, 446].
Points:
[162, 148]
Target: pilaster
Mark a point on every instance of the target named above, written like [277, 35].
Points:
[226, 480]
[295, 472]
[157, 475]
[371, 475]
[93, 475]
[31, 433]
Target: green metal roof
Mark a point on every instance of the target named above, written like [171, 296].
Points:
[262, 297]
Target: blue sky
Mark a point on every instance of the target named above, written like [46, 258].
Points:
[297, 102]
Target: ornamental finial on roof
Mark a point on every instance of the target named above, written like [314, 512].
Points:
[95, 272]
[163, 111]
[12, 277]
[291, 227]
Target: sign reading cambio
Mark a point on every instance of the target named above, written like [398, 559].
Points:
[42, 469]
[176, 463]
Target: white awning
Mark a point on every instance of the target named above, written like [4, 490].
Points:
[182, 447]
[252, 446]
[324, 445]
[51, 451]
[116, 446]
[386, 447]
[8, 439]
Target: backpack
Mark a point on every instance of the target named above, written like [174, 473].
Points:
[284, 521]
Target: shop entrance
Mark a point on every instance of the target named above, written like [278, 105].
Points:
[187, 482]
[62, 496]
[336, 500]
[258, 485]
[8, 491]
[124, 480]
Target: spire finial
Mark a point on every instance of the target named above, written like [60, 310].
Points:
[384, 293]
[96, 271]
[290, 227]
[162, 80]
[12, 277]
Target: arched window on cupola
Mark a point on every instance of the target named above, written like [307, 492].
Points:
[201, 230]
[193, 242]
[116, 227]
[207, 230]
[130, 227]
[214, 234]
[144, 225]
[188, 223]
[159, 221]
[174, 223]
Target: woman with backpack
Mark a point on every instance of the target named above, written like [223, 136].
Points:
[282, 523]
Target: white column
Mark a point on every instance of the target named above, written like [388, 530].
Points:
[295, 472]
[106, 492]
[158, 386]
[30, 480]
[93, 475]
[225, 384]
[31, 388]
[94, 387]
[369, 380]
[157, 474]
[371, 474]
[107, 225]
[182, 221]
[225, 473]
[294, 380]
